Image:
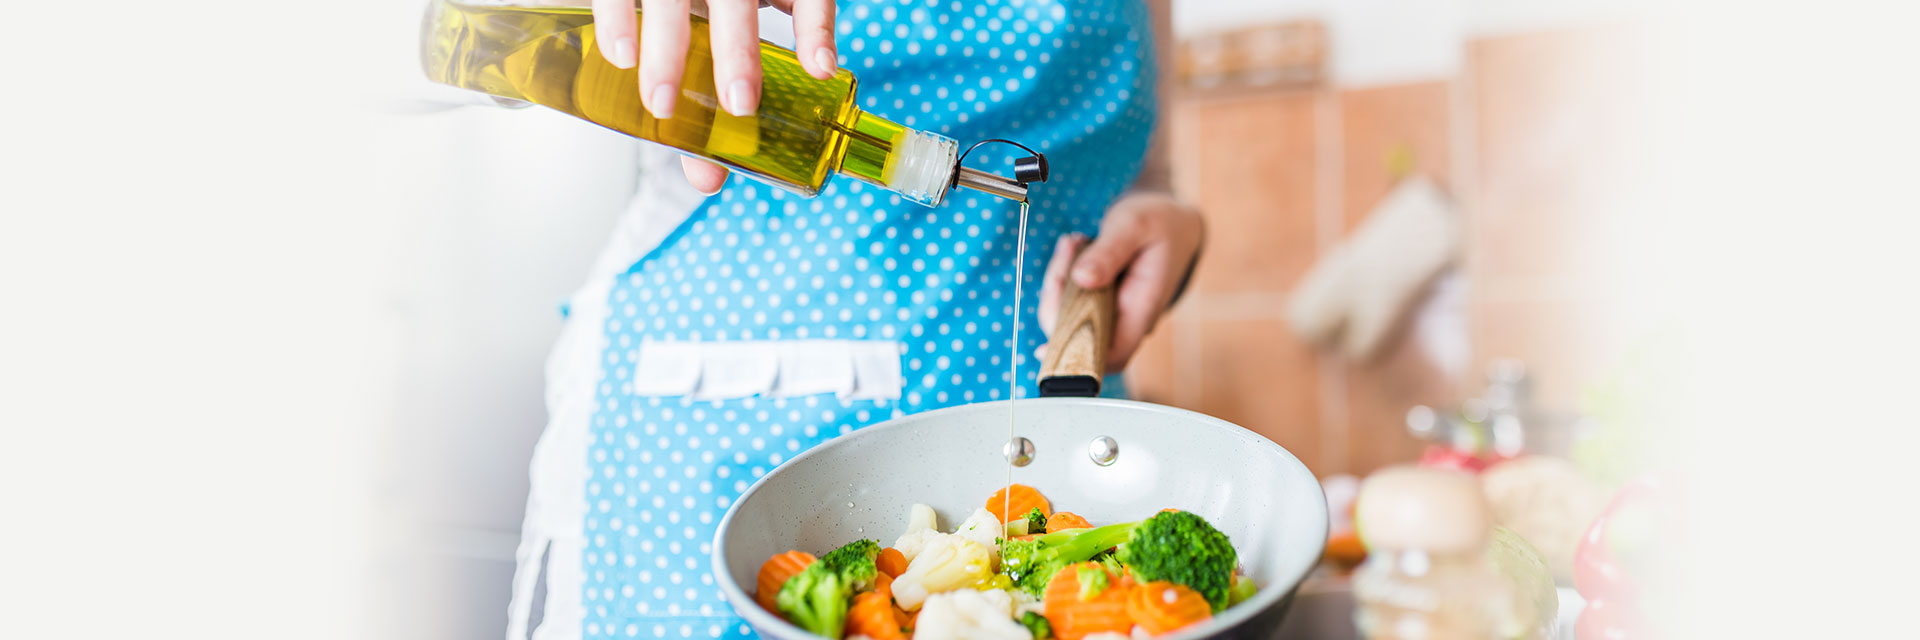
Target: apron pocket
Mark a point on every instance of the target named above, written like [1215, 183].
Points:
[850, 369]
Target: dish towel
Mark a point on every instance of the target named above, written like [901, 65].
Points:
[1356, 294]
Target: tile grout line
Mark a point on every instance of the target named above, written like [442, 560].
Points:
[1328, 176]
[1463, 138]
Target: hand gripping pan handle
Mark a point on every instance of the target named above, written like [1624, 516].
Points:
[1077, 351]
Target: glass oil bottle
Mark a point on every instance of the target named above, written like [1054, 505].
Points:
[805, 130]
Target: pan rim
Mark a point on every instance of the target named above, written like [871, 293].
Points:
[1266, 598]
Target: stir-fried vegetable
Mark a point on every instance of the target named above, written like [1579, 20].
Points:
[1039, 576]
[969, 615]
[775, 573]
[1161, 607]
[1037, 625]
[1243, 589]
[891, 562]
[873, 616]
[1182, 548]
[1067, 520]
[1032, 563]
[1037, 522]
[1017, 499]
[817, 598]
[949, 563]
[1093, 580]
[1073, 616]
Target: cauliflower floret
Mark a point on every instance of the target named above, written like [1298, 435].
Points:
[922, 529]
[947, 563]
[984, 528]
[913, 542]
[969, 615]
[1024, 602]
[921, 516]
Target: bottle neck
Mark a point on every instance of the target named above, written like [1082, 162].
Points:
[915, 164]
[919, 165]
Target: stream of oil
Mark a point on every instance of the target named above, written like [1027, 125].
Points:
[1013, 359]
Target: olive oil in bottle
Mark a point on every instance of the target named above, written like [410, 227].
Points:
[805, 129]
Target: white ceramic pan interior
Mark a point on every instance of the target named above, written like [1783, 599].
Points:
[861, 485]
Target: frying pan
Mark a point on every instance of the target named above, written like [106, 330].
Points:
[862, 484]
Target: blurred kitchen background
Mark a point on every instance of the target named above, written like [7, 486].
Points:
[1318, 137]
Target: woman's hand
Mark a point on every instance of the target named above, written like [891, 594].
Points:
[659, 47]
[1147, 243]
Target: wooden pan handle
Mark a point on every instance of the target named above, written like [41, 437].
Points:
[1077, 351]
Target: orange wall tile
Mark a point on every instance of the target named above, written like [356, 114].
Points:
[1379, 122]
[1255, 374]
[1544, 138]
[1554, 120]
[1152, 373]
[1248, 163]
[1381, 127]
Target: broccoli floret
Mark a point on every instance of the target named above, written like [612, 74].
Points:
[1032, 563]
[1107, 559]
[1182, 548]
[816, 598]
[1037, 625]
[1093, 582]
[1036, 522]
[856, 560]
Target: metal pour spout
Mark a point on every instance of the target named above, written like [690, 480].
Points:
[1026, 170]
[1002, 186]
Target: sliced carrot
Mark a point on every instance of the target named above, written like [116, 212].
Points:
[872, 616]
[1073, 618]
[1345, 551]
[775, 573]
[891, 562]
[1023, 500]
[1067, 520]
[1169, 510]
[883, 585]
[1161, 607]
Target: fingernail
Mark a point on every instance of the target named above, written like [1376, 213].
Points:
[623, 55]
[660, 101]
[740, 99]
[824, 60]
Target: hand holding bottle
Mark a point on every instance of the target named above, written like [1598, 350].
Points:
[658, 46]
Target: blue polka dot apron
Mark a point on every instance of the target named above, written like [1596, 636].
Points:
[768, 323]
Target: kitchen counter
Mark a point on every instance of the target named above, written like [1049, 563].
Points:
[1323, 610]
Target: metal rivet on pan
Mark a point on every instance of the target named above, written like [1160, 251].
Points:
[1103, 450]
[1018, 451]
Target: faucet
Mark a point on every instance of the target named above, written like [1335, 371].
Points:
[1500, 422]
